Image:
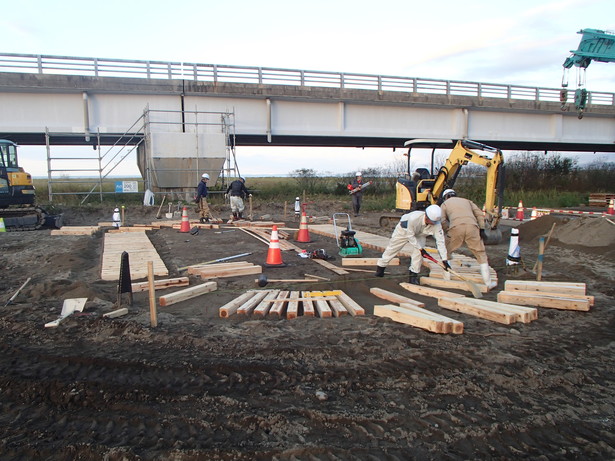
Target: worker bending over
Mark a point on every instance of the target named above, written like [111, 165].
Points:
[201, 199]
[237, 191]
[413, 228]
[463, 222]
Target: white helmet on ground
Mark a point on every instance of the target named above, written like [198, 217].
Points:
[358, 173]
[205, 176]
[448, 193]
[434, 213]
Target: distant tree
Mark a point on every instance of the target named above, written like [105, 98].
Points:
[306, 178]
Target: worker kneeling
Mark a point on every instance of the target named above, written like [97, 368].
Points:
[413, 228]
[463, 222]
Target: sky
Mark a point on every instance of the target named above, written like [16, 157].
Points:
[494, 41]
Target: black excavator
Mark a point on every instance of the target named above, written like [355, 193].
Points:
[18, 209]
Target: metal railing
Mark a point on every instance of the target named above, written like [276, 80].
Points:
[102, 67]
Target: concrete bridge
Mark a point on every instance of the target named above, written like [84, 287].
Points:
[78, 97]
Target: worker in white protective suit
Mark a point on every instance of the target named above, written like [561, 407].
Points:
[413, 228]
[463, 222]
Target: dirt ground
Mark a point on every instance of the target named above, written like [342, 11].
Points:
[201, 387]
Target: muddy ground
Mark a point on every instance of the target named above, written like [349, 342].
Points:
[200, 387]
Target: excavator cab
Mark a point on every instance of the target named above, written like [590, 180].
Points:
[16, 186]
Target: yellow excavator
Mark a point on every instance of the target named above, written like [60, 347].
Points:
[418, 190]
[17, 195]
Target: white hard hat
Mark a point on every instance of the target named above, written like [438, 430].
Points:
[358, 173]
[297, 198]
[205, 176]
[447, 193]
[434, 213]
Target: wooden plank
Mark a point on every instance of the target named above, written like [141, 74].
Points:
[292, 310]
[366, 261]
[553, 287]
[524, 314]
[279, 304]
[410, 317]
[187, 293]
[590, 299]
[331, 267]
[452, 284]
[451, 325]
[233, 272]
[263, 307]
[394, 297]
[248, 306]
[161, 284]
[461, 305]
[75, 230]
[196, 268]
[338, 309]
[308, 304]
[116, 313]
[542, 300]
[427, 291]
[351, 306]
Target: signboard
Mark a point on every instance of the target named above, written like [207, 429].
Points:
[122, 187]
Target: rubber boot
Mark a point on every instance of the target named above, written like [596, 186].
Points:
[235, 216]
[414, 278]
[202, 220]
[379, 271]
[240, 214]
[486, 275]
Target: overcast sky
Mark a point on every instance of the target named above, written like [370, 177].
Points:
[519, 43]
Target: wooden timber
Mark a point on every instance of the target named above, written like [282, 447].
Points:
[554, 301]
[490, 310]
[394, 297]
[292, 310]
[590, 299]
[427, 291]
[187, 293]
[116, 313]
[263, 307]
[207, 273]
[423, 320]
[161, 284]
[231, 307]
[248, 306]
[75, 230]
[278, 306]
[553, 287]
[366, 261]
[453, 284]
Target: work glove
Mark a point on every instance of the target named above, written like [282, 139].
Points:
[446, 265]
[424, 253]
[482, 233]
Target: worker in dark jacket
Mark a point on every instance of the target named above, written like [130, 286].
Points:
[201, 199]
[237, 191]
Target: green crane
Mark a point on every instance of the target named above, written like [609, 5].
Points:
[595, 45]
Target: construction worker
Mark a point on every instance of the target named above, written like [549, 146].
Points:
[355, 188]
[201, 198]
[237, 191]
[463, 222]
[413, 228]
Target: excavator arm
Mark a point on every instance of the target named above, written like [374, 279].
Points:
[595, 45]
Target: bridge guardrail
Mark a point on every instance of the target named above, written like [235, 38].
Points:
[103, 67]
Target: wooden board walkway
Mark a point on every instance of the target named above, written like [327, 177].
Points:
[140, 251]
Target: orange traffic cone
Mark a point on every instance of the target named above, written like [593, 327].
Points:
[520, 216]
[274, 255]
[610, 209]
[303, 235]
[534, 214]
[185, 227]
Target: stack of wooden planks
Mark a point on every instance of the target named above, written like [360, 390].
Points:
[555, 295]
[490, 310]
[600, 199]
[412, 312]
[291, 304]
[219, 270]
[140, 251]
[464, 265]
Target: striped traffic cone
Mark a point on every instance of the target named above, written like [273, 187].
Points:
[520, 214]
[303, 236]
[610, 209]
[185, 226]
[274, 254]
[534, 214]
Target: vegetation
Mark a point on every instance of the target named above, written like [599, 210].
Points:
[541, 180]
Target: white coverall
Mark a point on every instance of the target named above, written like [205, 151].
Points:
[415, 234]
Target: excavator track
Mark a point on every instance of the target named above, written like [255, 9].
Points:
[26, 218]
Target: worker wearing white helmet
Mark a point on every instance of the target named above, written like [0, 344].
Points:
[463, 222]
[201, 198]
[413, 228]
[356, 191]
